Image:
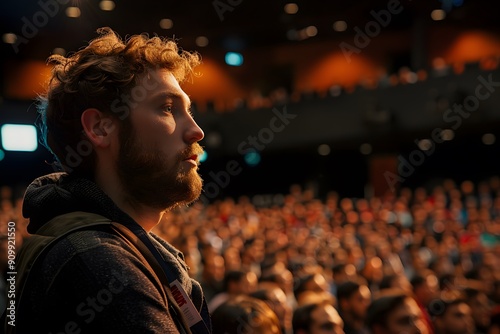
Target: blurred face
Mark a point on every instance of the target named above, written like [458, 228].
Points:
[326, 320]
[406, 318]
[358, 303]
[429, 290]
[480, 308]
[456, 320]
[278, 303]
[317, 284]
[248, 283]
[157, 161]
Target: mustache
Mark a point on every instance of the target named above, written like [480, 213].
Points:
[194, 149]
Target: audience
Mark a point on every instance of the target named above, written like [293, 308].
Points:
[395, 313]
[353, 300]
[313, 256]
[245, 315]
[452, 316]
[317, 318]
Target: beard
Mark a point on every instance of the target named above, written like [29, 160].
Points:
[151, 179]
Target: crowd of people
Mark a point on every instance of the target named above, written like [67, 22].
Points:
[415, 261]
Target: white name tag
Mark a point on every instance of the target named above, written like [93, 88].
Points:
[185, 304]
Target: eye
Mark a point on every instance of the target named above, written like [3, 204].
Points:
[167, 108]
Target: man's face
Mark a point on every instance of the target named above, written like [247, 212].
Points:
[481, 309]
[326, 320]
[158, 157]
[456, 320]
[358, 302]
[406, 318]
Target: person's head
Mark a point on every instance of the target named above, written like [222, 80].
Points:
[425, 287]
[480, 307]
[311, 282]
[396, 281]
[395, 313]
[353, 300]
[115, 112]
[276, 299]
[213, 267]
[317, 318]
[239, 282]
[244, 314]
[451, 316]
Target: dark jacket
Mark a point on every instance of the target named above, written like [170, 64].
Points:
[91, 281]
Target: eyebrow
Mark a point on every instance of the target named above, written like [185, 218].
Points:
[172, 95]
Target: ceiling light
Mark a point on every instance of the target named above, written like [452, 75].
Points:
[9, 38]
[489, 139]
[324, 149]
[73, 12]
[166, 23]
[201, 41]
[365, 149]
[291, 8]
[107, 5]
[59, 51]
[340, 26]
[311, 31]
[438, 14]
[234, 58]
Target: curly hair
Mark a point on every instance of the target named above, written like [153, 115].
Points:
[96, 77]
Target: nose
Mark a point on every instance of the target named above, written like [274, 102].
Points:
[193, 131]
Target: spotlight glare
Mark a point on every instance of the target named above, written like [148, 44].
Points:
[107, 5]
[166, 23]
[340, 26]
[73, 12]
[438, 14]
[291, 8]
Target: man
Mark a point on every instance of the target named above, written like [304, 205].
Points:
[353, 300]
[236, 282]
[452, 317]
[425, 289]
[481, 308]
[395, 313]
[315, 282]
[317, 318]
[276, 299]
[119, 123]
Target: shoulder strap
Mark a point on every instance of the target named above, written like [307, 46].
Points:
[59, 227]
[37, 245]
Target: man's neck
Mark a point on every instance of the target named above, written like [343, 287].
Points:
[146, 217]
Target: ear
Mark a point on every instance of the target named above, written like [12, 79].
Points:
[97, 127]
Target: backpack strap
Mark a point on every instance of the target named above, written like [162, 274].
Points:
[36, 247]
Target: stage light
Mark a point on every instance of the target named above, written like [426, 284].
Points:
[203, 156]
[324, 149]
[447, 134]
[59, 51]
[9, 38]
[107, 5]
[201, 41]
[438, 14]
[291, 8]
[234, 59]
[252, 158]
[488, 139]
[19, 137]
[73, 12]
[166, 23]
[365, 149]
[340, 26]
